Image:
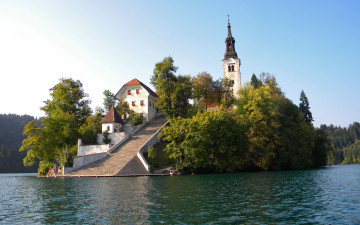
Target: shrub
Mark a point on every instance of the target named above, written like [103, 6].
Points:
[44, 167]
[66, 155]
[151, 152]
[136, 119]
[106, 139]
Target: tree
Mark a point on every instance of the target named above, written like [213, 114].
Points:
[255, 82]
[65, 112]
[305, 108]
[207, 142]
[90, 129]
[109, 100]
[203, 88]
[123, 110]
[207, 91]
[174, 91]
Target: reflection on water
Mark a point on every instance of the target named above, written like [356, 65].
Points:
[326, 196]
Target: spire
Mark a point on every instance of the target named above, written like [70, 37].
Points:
[230, 43]
[229, 26]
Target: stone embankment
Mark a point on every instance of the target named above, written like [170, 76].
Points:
[124, 161]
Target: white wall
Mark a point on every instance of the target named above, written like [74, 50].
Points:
[115, 137]
[111, 126]
[148, 111]
[92, 149]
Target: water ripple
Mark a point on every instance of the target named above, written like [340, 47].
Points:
[325, 196]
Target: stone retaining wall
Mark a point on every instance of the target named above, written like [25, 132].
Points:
[83, 160]
[151, 142]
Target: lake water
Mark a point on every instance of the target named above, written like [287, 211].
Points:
[326, 196]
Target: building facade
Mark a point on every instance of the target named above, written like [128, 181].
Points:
[231, 63]
[140, 98]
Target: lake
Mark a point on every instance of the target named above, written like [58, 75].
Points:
[325, 196]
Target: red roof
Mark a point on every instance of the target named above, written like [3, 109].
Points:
[133, 82]
[137, 82]
[111, 116]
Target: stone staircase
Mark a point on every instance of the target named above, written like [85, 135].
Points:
[123, 161]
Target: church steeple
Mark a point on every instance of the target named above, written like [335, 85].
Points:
[230, 44]
[231, 63]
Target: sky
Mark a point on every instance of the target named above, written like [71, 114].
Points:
[307, 45]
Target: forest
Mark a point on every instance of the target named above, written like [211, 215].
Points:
[345, 143]
[11, 129]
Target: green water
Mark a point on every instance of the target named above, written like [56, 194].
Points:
[325, 196]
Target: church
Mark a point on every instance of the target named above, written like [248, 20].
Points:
[142, 99]
[231, 63]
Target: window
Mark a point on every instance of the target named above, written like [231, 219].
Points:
[137, 91]
[231, 68]
[128, 92]
[133, 103]
[108, 128]
[142, 102]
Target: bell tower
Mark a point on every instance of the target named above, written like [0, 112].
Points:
[231, 62]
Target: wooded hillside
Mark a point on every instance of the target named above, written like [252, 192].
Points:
[345, 142]
[11, 129]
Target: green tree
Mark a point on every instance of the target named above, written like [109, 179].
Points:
[90, 129]
[65, 112]
[203, 88]
[109, 100]
[173, 91]
[123, 109]
[305, 108]
[208, 142]
[255, 82]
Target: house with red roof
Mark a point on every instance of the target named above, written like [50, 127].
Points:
[140, 98]
[111, 122]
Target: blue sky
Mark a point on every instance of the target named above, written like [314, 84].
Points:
[307, 45]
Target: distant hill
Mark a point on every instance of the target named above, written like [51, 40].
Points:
[11, 129]
[345, 142]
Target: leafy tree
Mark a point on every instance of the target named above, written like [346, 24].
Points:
[207, 142]
[67, 110]
[226, 92]
[174, 92]
[90, 129]
[305, 108]
[109, 100]
[258, 109]
[203, 88]
[123, 110]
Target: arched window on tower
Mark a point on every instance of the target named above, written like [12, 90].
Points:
[229, 68]
[232, 67]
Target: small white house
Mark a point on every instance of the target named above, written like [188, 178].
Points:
[111, 122]
[140, 98]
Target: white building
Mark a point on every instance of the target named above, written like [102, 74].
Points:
[111, 121]
[140, 98]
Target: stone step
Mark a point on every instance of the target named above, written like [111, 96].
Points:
[123, 160]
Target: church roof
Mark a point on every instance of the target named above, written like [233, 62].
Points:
[111, 116]
[137, 82]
